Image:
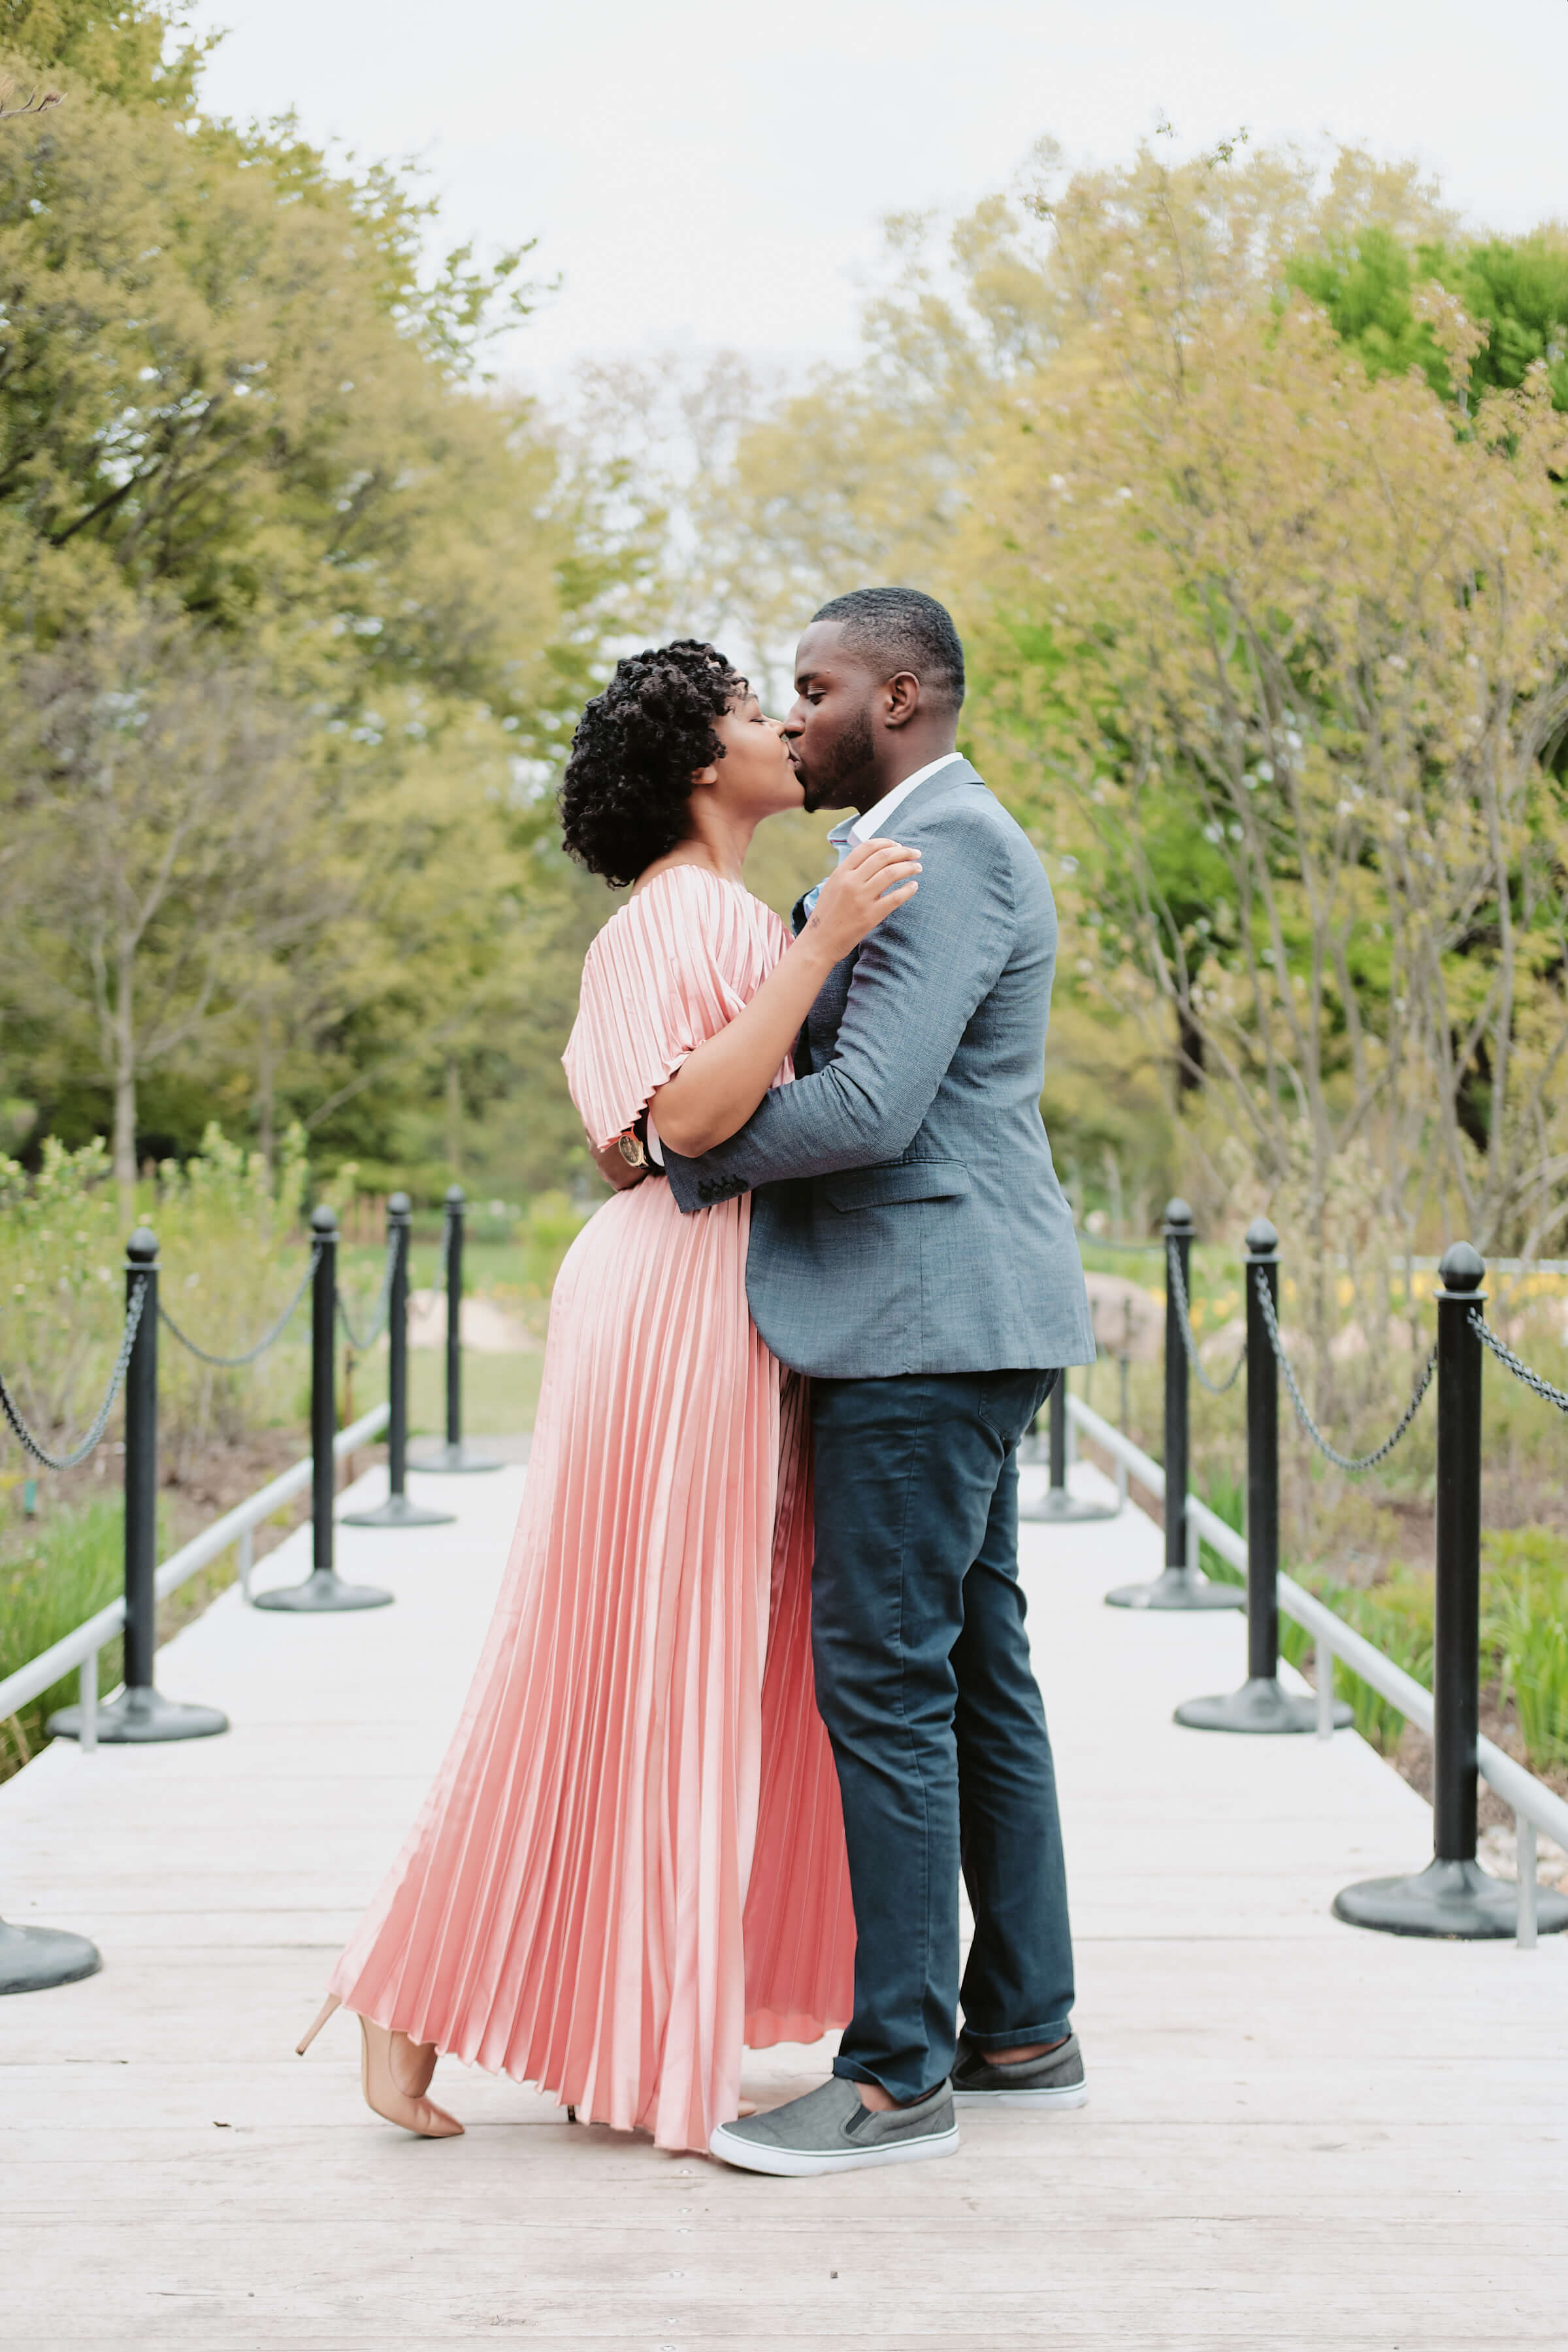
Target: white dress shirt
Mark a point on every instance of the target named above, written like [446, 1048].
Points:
[850, 831]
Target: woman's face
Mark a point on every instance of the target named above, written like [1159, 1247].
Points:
[757, 777]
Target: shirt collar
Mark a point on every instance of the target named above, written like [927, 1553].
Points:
[851, 830]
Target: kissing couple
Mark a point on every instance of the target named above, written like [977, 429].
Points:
[757, 1689]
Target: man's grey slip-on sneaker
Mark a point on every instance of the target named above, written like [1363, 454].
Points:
[1056, 2080]
[830, 2131]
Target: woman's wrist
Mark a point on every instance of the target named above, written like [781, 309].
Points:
[814, 947]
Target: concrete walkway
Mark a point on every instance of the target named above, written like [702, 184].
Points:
[1299, 2135]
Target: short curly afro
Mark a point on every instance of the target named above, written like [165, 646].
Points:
[637, 746]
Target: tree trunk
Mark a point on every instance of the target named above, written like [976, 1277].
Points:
[266, 1093]
[125, 1095]
[454, 1120]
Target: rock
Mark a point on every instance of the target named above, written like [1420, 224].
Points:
[1497, 1849]
[1128, 1319]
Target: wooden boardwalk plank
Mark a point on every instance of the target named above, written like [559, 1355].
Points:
[1299, 2136]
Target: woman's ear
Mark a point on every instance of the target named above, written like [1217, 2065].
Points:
[709, 775]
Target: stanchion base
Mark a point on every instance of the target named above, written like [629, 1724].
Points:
[1057, 1505]
[322, 1589]
[1259, 1706]
[1455, 1899]
[139, 1718]
[434, 1454]
[397, 1511]
[1177, 1589]
[34, 1958]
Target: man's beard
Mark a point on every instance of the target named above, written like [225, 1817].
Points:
[849, 759]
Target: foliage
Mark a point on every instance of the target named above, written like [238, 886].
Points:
[1267, 652]
[306, 605]
[231, 1251]
[1378, 292]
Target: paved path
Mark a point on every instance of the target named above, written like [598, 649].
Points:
[1299, 2135]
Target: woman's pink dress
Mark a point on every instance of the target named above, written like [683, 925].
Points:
[632, 1862]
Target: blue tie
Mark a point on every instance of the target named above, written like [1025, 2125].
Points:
[843, 844]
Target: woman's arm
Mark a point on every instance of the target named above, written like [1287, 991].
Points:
[717, 1089]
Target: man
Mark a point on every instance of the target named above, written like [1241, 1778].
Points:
[910, 1249]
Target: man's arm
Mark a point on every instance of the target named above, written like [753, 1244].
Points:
[915, 988]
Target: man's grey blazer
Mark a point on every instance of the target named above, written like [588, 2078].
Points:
[908, 1218]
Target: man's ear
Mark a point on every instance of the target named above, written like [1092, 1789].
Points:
[903, 693]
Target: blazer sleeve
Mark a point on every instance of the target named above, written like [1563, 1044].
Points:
[918, 981]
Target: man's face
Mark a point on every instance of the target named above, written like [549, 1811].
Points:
[829, 729]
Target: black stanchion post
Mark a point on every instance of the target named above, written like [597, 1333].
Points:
[323, 1589]
[1454, 1896]
[140, 1714]
[455, 1208]
[1260, 1705]
[452, 1454]
[397, 1511]
[1057, 1504]
[1180, 1587]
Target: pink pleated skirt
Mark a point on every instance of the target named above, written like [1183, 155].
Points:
[632, 1860]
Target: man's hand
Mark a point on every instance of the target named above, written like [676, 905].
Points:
[618, 1173]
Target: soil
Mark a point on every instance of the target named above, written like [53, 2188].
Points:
[211, 1480]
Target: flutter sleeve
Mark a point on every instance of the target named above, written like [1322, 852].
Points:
[659, 980]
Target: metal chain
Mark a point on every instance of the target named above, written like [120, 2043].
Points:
[232, 1363]
[1353, 1463]
[1179, 1291]
[382, 1305]
[79, 1453]
[1484, 1331]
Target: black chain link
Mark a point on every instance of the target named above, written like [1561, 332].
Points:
[1505, 1355]
[1351, 1463]
[382, 1305]
[79, 1453]
[1179, 1290]
[232, 1363]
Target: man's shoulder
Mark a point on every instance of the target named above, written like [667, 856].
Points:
[970, 815]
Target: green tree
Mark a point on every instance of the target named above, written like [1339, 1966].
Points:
[238, 416]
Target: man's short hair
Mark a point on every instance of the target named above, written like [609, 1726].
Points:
[901, 628]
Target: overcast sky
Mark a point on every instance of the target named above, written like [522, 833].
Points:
[705, 175]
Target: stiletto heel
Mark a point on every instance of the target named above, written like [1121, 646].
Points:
[331, 2002]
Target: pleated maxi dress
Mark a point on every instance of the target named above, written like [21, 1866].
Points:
[632, 1860]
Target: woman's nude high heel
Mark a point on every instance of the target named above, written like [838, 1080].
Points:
[395, 2074]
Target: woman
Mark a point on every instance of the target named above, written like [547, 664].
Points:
[632, 1860]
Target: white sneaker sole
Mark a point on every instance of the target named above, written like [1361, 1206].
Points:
[1073, 2097]
[1076, 2094]
[794, 2164]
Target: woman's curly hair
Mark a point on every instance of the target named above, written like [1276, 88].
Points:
[636, 747]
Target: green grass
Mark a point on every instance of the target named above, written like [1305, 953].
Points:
[1524, 1606]
[63, 1569]
[501, 1393]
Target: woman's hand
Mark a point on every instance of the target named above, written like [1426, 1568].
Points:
[613, 1165]
[876, 877]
